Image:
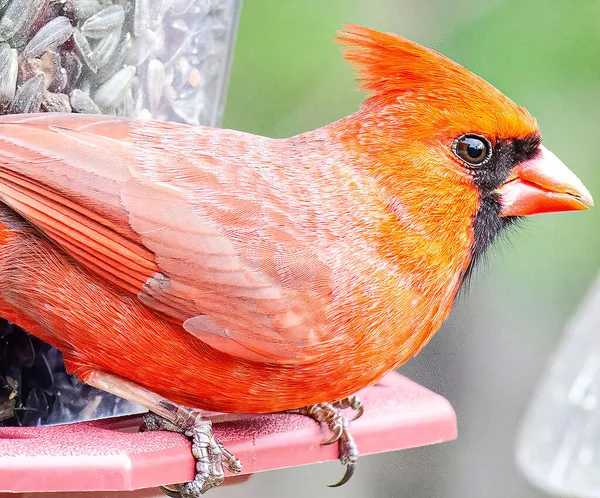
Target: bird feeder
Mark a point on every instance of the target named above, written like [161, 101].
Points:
[159, 59]
[144, 59]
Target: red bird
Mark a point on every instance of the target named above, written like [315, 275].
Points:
[205, 269]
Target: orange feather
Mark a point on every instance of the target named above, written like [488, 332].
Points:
[239, 273]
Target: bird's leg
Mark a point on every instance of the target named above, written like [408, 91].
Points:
[210, 455]
[329, 414]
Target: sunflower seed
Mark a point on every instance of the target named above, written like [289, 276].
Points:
[181, 73]
[82, 103]
[179, 7]
[22, 350]
[143, 47]
[170, 93]
[56, 102]
[9, 67]
[51, 68]
[115, 63]
[126, 107]
[169, 73]
[155, 82]
[72, 66]
[111, 93]
[37, 407]
[59, 412]
[105, 48]
[158, 8]
[7, 408]
[211, 66]
[6, 329]
[144, 115]
[60, 80]
[34, 23]
[29, 96]
[53, 34]
[44, 375]
[159, 47]
[85, 86]
[190, 110]
[106, 21]
[184, 40]
[141, 16]
[84, 9]
[178, 28]
[139, 100]
[68, 10]
[18, 17]
[14, 372]
[28, 68]
[83, 48]
[52, 10]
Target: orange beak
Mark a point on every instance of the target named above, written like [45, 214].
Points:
[543, 185]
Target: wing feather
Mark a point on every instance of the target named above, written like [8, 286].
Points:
[181, 218]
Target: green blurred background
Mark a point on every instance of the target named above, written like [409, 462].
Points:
[288, 76]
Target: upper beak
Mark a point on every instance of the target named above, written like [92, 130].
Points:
[543, 185]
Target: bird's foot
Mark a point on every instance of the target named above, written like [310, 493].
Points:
[210, 455]
[352, 402]
[329, 414]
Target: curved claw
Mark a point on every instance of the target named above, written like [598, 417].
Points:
[234, 465]
[352, 402]
[339, 430]
[328, 414]
[170, 492]
[359, 412]
[347, 475]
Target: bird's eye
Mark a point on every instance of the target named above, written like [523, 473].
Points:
[472, 149]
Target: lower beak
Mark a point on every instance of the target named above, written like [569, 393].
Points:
[543, 185]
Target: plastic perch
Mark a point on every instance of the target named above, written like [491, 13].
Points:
[111, 455]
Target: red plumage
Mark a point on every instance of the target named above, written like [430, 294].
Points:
[237, 273]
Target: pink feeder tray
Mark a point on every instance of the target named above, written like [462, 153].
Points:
[109, 455]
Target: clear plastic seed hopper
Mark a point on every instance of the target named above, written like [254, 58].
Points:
[168, 60]
[557, 447]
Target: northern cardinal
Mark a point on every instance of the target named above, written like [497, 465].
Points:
[197, 268]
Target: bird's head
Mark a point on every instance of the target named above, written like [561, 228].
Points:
[445, 140]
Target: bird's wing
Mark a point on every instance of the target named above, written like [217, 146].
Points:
[204, 241]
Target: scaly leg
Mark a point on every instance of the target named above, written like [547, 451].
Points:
[210, 455]
[329, 414]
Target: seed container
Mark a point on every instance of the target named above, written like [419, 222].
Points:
[558, 448]
[161, 59]
[143, 59]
